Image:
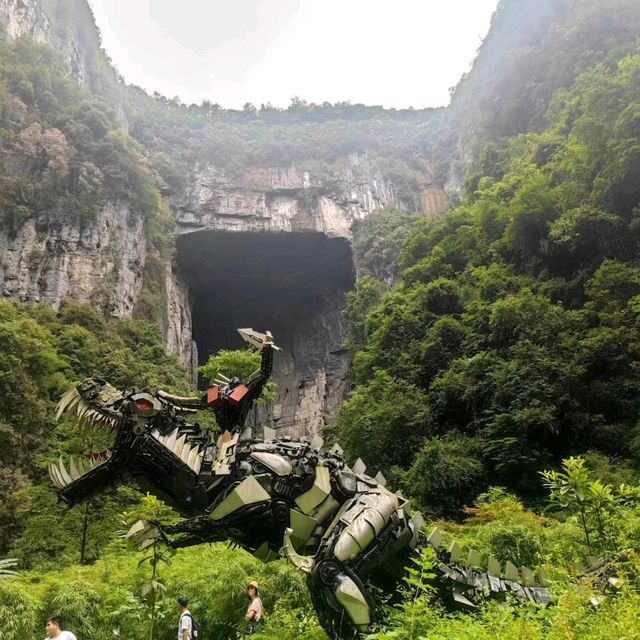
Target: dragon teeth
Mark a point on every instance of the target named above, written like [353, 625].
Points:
[82, 408]
[74, 472]
[67, 402]
[64, 401]
[64, 473]
[73, 403]
[54, 476]
[83, 466]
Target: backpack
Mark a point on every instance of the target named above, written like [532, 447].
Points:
[196, 627]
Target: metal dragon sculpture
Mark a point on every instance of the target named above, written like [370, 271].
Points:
[274, 497]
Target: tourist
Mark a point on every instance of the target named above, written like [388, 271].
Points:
[54, 629]
[254, 610]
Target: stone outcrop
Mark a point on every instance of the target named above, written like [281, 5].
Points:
[311, 374]
[179, 330]
[99, 262]
[66, 25]
[307, 197]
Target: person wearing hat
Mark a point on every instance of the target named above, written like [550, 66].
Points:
[254, 611]
[185, 626]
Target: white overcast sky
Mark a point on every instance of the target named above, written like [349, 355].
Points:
[395, 53]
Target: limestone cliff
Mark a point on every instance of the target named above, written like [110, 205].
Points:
[307, 197]
[100, 262]
[66, 25]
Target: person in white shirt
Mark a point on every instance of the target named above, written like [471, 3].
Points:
[185, 623]
[54, 630]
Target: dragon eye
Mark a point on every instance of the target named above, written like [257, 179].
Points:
[143, 404]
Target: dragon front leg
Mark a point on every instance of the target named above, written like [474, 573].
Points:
[238, 527]
[370, 530]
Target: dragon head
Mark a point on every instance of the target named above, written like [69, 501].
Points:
[148, 431]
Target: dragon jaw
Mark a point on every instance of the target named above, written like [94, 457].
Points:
[131, 415]
[94, 404]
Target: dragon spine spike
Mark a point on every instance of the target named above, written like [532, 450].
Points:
[186, 452]
[171, 440]
[359, 467]
[493, 566]
[455, 552]
[193, 456]
[435, 538]
[474, 559]
[462, 600]
[336, 449]
[528, 577]
[380, 479]
[198, 463]
[542, 578]
[179, 445]
[511, 572]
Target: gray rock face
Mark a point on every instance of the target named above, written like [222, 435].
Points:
[179, 330]
[100, 263]
[308, 197]
[67, 25]
[311, 374]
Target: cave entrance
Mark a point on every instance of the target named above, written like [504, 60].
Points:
[292, 283]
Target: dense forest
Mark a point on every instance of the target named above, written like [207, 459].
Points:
[495, 349]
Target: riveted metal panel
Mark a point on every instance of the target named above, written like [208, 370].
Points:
[265, 553]
[353, 600]
[321, 488]
[249, 491]
[326, 509]
[278, 464]
[347, 547]
[375, 519]
[302, 526]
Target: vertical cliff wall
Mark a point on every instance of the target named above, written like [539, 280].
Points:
[68, 26]
[99, 262]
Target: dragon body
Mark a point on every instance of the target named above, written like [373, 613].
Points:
[345, 529]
